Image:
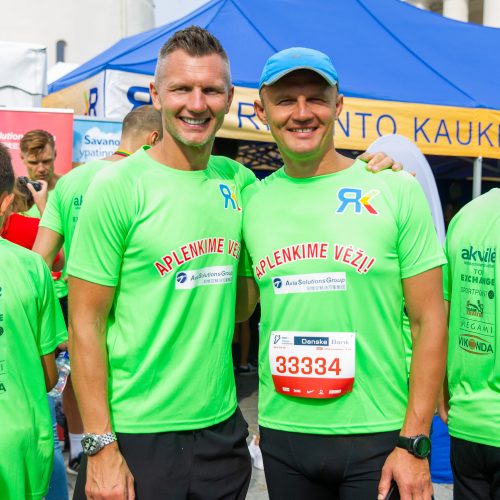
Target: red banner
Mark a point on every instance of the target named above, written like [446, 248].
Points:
[14, 123]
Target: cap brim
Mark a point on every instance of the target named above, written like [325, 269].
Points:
[278, 76]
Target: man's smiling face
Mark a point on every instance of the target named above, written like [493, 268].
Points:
[301, 109]
[193, 95]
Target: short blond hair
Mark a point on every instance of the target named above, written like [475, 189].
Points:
[35, 141]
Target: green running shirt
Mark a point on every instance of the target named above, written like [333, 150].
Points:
[31, 326]
[66, 199]
[471, 286]
[169, 241]
[60, 285]
[329, 254]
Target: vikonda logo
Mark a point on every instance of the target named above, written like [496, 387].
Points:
[488, 255]
[474, 344]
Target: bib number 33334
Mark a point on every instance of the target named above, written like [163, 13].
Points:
[312, 365]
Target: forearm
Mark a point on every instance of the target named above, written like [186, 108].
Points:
[47, 244]
[49, 370]
[89, 372]
[426, 374]
[41, 204]
[89, 306]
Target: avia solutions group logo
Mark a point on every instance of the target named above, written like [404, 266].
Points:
[359, 201]
[277, 282]
[474, 344]
[181, 277]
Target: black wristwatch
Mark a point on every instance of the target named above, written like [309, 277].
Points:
[419, 446]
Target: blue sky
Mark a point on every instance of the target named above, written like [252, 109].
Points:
[169, 10]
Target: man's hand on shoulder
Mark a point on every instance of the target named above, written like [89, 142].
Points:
[108, 476]
[411, 474]
[377, 162]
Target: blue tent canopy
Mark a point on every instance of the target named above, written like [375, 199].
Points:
[383, 49]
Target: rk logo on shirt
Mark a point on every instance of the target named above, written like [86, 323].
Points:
[229, 197]
[355, 197]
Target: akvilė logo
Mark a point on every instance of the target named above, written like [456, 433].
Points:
[474, 344]
[486, 255]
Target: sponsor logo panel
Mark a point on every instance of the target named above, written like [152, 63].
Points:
[307, 283]
[215, 275]
[475, 344]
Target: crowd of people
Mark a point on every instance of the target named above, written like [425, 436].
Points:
[164, 245]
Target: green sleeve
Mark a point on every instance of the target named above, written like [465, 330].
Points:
[100, 236]
[418, 245]
[248, 178]
[448, 268]
[52, 216]
[245, 263]
[51, 327]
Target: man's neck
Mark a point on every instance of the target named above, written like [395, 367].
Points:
[310, 166]
[51, 184]
[180, 156]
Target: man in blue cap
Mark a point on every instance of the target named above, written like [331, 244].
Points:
[333, 251]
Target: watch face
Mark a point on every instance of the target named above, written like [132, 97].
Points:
[422, 446]
[91, 445]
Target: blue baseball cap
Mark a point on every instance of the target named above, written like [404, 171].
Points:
[288, 60]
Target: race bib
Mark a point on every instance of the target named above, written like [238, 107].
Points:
[312, 364]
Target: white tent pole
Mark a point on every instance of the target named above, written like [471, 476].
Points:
[477, 177]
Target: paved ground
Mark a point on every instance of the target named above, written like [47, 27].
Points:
[247, 396]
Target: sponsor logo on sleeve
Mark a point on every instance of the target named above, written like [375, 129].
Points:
[479, 255]
[475, 344]
[474, 309]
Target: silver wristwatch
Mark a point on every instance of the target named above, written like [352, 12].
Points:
[94, 443]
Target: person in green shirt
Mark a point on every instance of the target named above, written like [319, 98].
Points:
[333, 250]
[152, 295]
[140, 126]
[31, 327]
[152, 270]
[38, 153]
[472, 408]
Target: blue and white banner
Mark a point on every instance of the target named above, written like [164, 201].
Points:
[95, 138]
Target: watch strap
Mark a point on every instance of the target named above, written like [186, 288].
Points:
[411, 444]
[108, 438]
[94, 443]
[405, 443]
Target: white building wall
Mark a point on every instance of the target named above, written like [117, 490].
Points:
[87, 27]
[461, 10]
